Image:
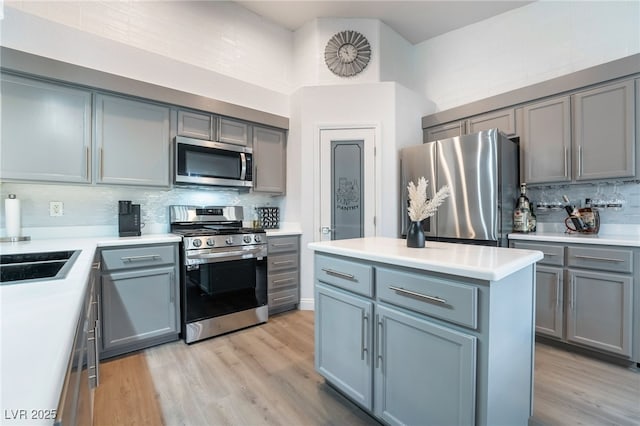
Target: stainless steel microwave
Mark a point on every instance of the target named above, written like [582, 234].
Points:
[201, 162]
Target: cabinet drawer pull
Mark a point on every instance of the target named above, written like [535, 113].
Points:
[282, 245]
[140, 258]
[422, 296]
[339, 274]
[284, 262]
[602, 259]
[285, 280]
[549, 254]
[276, 299]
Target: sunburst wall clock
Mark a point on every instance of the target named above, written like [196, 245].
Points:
[347, 53]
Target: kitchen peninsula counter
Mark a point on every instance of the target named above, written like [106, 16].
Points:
[436, 335]
[38, 324]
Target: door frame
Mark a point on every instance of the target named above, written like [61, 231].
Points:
[317, 149]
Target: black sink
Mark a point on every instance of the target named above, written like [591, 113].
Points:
[28, 267]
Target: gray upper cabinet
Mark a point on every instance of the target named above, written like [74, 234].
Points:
[195, 125]
[445, 131]
[546, 141]
[503, 120]
[233, 131]
[269, 160]
[46, 131]
[604, 127]
[132, 142]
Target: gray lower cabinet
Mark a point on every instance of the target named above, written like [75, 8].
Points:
[46, 131]
[605, 114]
[344, 342]
[426, 373]
[139, 298]
[283, 273]
[269, 160]
[585, 295]
[132, 142]
[416, 347]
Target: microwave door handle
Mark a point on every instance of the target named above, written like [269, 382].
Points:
[243, 171]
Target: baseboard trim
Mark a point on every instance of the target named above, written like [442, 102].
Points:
[306, 304]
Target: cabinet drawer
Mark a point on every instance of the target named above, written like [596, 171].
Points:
[281, 262]
[137, 257]
[282, 280]
[602, 259]
[282, 244]
[352, 276]
[437, 297]
[553, 255]
[283, 297]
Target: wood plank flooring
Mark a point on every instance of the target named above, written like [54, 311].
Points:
[265, 376]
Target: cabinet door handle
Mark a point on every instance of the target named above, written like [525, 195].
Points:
[172, 293]
[572, 288]
[420, 295]
[579, 160]
[363, 340]
[566, 162]
[339, 274]
[140, 258]
[101, 163]
[87, 159]
[380, 330]
[601, 259]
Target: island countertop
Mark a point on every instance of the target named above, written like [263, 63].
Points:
[471, 261]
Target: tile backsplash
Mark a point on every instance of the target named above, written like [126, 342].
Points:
[98, 205]
[578, 193]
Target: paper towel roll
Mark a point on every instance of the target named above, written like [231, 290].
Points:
[12, 216]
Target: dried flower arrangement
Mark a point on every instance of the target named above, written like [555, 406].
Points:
[419, 207]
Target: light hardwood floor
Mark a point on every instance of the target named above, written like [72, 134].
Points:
[265, 376]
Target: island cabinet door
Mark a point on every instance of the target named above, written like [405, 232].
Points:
[343, 342]
[425, 374]
[549, 297]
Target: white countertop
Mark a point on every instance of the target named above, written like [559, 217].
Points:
[38, 322]
[284, 230]
[480, 262]
[629, 240]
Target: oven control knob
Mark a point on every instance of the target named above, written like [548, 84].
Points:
[247, 239]
[257, 238]
[197, 243]
[229, 241]
[211, 242]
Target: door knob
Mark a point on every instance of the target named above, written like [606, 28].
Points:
[326, 230]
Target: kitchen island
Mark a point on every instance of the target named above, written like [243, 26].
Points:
[437, 335]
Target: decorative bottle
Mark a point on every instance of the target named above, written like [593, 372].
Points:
[522, 211]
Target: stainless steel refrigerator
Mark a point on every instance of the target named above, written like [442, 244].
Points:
[482, 171]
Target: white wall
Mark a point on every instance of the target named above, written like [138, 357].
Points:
[537, 42]
[244, 78]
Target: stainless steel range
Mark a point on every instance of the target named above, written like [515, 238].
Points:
[224, 271]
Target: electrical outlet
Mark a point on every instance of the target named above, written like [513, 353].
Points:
[56, 208]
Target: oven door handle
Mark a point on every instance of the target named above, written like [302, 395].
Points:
[226, 255]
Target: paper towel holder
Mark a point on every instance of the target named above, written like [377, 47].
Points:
[12, 239]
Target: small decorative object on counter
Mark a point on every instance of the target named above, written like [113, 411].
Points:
[574, 216]
[268, 217]
[421, 208]
[522, 212]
